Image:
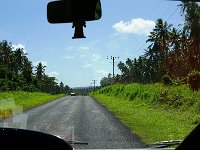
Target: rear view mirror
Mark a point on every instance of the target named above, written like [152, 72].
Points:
[68, 11]
[74, 11]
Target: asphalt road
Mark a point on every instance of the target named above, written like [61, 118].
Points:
[81, 118]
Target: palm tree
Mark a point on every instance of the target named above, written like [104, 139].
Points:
[161, 35]
[18, 57]
[191, 12]
[175, 41]
[124, 71]
[158, 50]
[40, 71]
[5, 51]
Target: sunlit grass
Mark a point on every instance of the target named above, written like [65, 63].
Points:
[23, 101]
[155, 112]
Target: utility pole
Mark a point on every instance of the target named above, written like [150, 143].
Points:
[113, 63]
[94, 82]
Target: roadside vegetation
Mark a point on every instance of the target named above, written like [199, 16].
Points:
[17, 73]
[22, 84]
[10, 101]
[155, 112]
[172, 51]
[158, 94]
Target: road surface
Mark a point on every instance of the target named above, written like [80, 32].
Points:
[81, 118]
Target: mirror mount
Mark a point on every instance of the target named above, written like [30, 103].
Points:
[78, 33]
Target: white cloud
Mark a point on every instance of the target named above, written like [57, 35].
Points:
[68, 57]
[16, 46]
[84, 48]
[44, 63]
[53, 74]
[87, 65]
[102, 73]
[96, 57]
[136, 26]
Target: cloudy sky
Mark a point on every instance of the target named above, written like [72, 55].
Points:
[122, 31]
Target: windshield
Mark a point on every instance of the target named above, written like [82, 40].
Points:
[133, 81]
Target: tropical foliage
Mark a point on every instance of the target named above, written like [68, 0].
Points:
[171, 51]
[106, 80]
[18, 73]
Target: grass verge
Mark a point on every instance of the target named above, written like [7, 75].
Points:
[26, 100]
[154, 112]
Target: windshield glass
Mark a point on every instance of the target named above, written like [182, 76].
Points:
[133, 81]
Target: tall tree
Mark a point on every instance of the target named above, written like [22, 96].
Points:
[124, 71]
[16, 72]
[161, 36]
[40, 71]
[27, 70]
[191, 12]
[158, 50]
[18, 57]
[5, 51]
[61, 87]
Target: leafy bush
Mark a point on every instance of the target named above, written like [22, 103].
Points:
[180, 81]
[7, 85]
[194, 80]
[166, 80]
[155, 95]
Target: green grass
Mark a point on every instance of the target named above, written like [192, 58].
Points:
[153, 111]
[24, 100]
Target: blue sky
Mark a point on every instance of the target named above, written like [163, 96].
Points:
[122, 31]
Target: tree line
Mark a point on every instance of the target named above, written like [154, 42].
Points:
[171, 51]
[18, 73]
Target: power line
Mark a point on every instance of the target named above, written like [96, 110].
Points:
[172, 14]
[153, 11]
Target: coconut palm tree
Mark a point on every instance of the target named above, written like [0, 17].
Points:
[40, 71]
[158, 50]
[191, 12]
